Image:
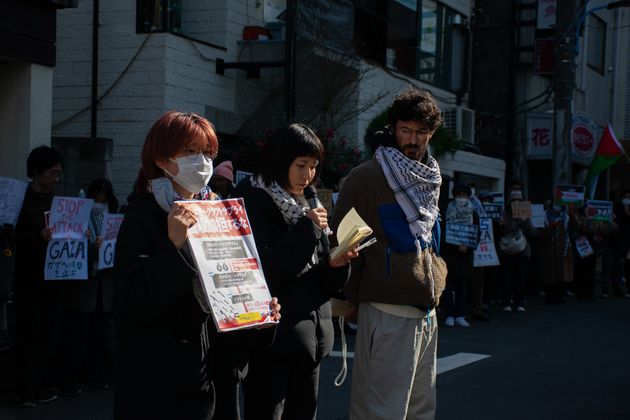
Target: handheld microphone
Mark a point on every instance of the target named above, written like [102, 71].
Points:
[313, 201]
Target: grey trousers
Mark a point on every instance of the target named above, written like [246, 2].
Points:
[393, 373]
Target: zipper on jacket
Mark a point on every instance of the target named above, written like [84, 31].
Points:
[388, 265]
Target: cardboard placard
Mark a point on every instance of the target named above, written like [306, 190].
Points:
[521, 209]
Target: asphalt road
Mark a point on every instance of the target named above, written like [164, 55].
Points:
[556, 362]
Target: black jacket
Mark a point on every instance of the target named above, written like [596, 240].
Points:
[158, 322]
[306, 324]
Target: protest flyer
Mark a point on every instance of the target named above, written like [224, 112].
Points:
[66, 255]
[492, 210]
[109, 233]
[11, 198]
[486, 253]
[583, 247]
[566, 195]
[538, 216]
[599, 210]
[521, 209]
[230, 273]
[462, 234]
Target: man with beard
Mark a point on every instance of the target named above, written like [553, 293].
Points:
[396, 283]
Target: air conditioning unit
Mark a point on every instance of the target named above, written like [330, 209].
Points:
[460, 122]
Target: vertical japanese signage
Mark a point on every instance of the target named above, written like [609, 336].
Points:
[539, 135]
[66, 256]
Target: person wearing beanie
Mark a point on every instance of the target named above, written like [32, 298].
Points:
[222, 181]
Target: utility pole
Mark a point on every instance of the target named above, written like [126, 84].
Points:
[289, 59]
[563, 85]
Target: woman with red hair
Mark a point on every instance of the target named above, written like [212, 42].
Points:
[164, 341]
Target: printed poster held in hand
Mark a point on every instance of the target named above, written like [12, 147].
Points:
[230, 284]
[66, 255]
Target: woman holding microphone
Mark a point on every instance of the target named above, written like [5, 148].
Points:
[298, 270]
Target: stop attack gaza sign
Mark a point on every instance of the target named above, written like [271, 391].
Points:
[584, 138]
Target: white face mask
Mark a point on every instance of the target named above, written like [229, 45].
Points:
[194, 172]
[461, 201]
[625, 201]
[99, 208]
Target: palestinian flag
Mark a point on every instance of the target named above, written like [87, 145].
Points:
[608, 152]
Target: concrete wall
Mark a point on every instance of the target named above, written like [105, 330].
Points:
[25, 114]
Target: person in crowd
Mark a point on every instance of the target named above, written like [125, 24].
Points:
[459, 258]
[584, 231]
[397, 282]
[550, 250]
[592, 238]
[604, 241]
[87, 307]
[516, 233]
[164, 342]
[36, 301]
[222, 181]
[290, 238]
[622, 245]
[489, 293]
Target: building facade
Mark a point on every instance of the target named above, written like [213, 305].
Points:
[226, 60]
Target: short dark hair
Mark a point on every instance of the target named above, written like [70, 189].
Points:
[281, 149]
[415, 105]
[103, 185]
[42, 158]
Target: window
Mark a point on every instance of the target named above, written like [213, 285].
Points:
[158, 16]
[596, 44]
[420, 38]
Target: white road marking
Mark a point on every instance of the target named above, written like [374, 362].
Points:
[458, 360]
[444, 364]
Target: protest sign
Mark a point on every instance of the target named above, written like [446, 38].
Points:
[521, 209]
[109, 233]
[599, 210]
[69, 217]
[486, 254]
[538, 216]
[11, 197]
[497, 198]
[231, 279]
[66, 255]
[66, 259]
[492, 210]
[566, 195]
[583, 247]
[462, 234]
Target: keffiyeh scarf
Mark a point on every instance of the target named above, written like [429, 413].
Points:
[416, 187]
[290, 209]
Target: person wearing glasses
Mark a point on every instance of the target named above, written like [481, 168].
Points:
[396, 283]
[165, 343]
[36, 301]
